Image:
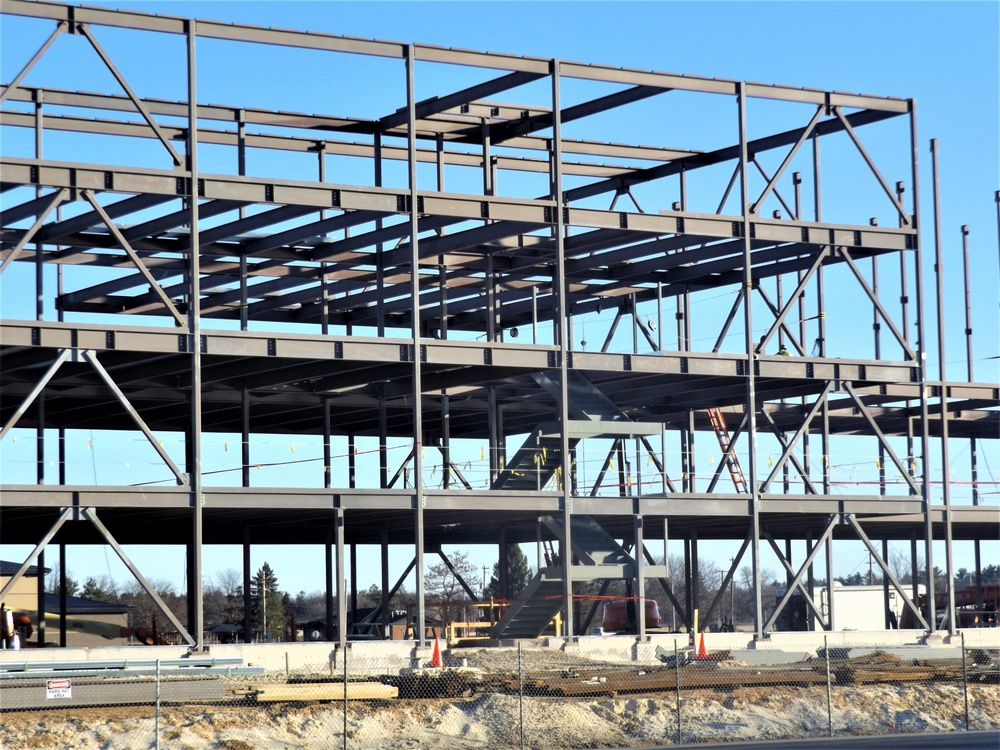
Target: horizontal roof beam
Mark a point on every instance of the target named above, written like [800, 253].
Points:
[422, 52]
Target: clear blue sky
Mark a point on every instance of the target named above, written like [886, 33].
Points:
[943, 54]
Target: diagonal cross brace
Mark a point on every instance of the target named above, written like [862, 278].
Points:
[85, 31]
[729, 576]
[728, 452]
[63, 518]
[740, 296]
[57, 199]
[874, 299]
[401, 469]
[904, 217]
[64, 354]
[766, 176]
[60, 28]
[792, 299]
[134, 257]
[608, 458]
[788, 159]
[885, 568]
[91, 515]
[645, 330]
[787, 449]
[657, 463]
[790, 446]
[91, 357]
[665, 585]
[458, 577]
[797, 581]
[805, 594]
[779, 322]
[881, 437]
[377, 614]
[453, 467]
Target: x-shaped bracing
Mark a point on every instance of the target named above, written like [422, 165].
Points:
[835, 520]
[789, 445]
[797, 577]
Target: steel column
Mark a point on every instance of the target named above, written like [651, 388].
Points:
[751, 394]
[418, 424]
[922, 370]
[561, 313]
[328, 580]
[945, 462]
[338, 530]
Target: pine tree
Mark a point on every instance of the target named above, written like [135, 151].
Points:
[267, 615]
[519, 574]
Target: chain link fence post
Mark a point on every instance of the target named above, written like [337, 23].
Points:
[965, 683]
[343, 653]
[677, 675]
[156, 720]
[829, 690]
[520, 693]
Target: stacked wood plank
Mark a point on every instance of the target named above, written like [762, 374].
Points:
[324, 691]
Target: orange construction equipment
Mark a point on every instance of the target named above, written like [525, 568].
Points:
[702, 651]
[436, 654]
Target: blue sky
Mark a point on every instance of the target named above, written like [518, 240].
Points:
[943, 54]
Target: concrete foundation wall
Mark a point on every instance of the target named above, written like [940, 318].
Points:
[380, 657]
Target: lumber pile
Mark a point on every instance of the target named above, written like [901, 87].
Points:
[324, 691]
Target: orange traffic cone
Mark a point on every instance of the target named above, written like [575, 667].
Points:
[702, 651]
[436, 654]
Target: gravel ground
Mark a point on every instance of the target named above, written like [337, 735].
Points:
[493, 719]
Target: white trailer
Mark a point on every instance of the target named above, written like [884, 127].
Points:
[854, 608]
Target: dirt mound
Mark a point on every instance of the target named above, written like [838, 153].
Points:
[493, 720]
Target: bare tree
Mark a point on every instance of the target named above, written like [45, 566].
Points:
[53, 583]
[145, 614]
[223, 598]
[443, 589]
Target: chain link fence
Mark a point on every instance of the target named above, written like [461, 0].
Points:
[594, 692]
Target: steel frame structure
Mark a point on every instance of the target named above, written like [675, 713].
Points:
[388, 312]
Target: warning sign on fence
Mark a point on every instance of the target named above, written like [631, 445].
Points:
[58, 689]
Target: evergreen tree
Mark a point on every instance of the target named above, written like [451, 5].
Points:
[519, 574]
[267, 615]
[100, 589]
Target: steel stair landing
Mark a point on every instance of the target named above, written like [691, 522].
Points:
[590, 542]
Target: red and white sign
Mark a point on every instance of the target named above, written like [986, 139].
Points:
[55, 689]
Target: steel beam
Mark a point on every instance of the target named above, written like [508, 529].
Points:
[91, 515]
[51, 202]
[63, 356]
[65, 515]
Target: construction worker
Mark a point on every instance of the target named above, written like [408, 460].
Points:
[783, 352]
